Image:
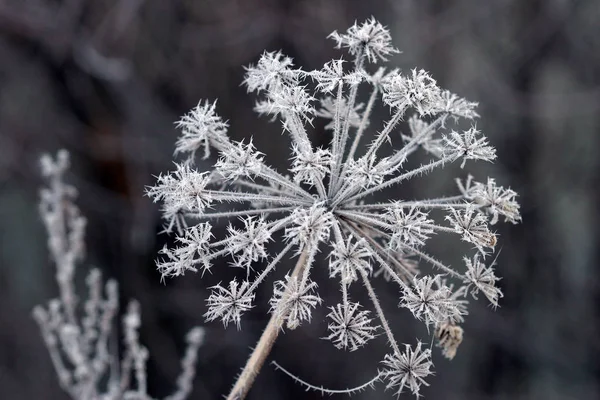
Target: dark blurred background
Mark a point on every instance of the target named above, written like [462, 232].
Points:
[105, 79]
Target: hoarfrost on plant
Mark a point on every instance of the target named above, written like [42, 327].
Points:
[328, 201]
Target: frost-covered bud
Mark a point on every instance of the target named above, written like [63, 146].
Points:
[311, 225]
[497, 201]
[459, 296]
[348, 259]
[248, 243]
[197, 239]
[473, 227]
[419, 91]
[310, 166]
[229, 304]
[273, 71]
[293, 301]
[429, 304]
[293, 100]
[366, 171]
[332, 76]
[422, 133]
[201, 128]
[456, 106]
[349, 327]
[407, 369]
[239, 160]
[327, 110]
[370, 39]
[193, 252]
[182, 190]
[482, 278]
[468, 146]
[409, 228]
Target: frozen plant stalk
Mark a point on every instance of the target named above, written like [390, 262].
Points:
[324, 201]
[78, 338]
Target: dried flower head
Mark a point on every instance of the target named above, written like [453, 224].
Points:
[449, 336]
[325, 201]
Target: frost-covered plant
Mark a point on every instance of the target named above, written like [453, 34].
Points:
[79, 338]
[324, 202]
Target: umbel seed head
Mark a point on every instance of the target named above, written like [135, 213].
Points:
[335, 200]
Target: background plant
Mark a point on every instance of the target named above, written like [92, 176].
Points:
[78, 334]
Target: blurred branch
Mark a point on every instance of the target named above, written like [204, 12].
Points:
[62, 32]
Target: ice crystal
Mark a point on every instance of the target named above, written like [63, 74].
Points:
[239, 161]
[229, 304]
[293, 300]
[407, 369]
[483, 279]
[349, 327]
[272, 71]
[325, 201]
[370, 39]
[411, 227]
[349, 259]
[248, 244]
[497, 201]
[193, 252]
[418, 90]
[201, 128]
[472, 226]
[434, 305]
[469, 146]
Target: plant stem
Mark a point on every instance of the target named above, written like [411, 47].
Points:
[265, 343]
